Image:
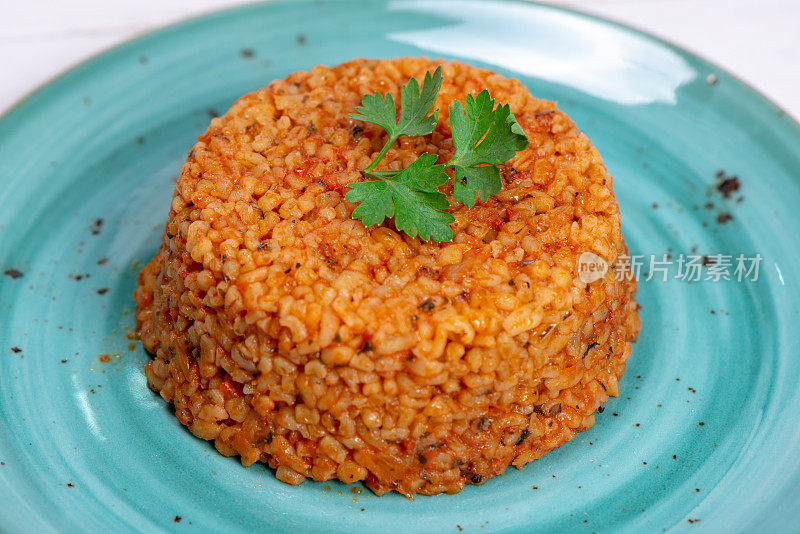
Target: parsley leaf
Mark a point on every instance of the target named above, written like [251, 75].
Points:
[377, 109]
[484, 136]
[410, 196]
[415, 104]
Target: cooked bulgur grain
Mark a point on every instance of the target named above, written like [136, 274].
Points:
[288, 333]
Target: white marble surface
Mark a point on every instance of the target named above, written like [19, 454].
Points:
[757, 40]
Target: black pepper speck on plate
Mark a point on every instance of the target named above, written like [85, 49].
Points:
[13, 273]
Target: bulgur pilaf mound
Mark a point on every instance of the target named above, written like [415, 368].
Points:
[288, 333]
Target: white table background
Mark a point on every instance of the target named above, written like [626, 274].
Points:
[757, 40]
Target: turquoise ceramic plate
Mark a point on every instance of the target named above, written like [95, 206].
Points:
[706, 433]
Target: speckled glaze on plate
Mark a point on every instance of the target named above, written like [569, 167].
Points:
[705, 434]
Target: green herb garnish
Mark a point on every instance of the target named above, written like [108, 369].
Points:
[484, 137]
[414, 108]
[411, 196]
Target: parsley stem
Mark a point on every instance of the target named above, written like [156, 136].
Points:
[381, 154]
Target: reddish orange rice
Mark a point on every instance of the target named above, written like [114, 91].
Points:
[288, 333]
